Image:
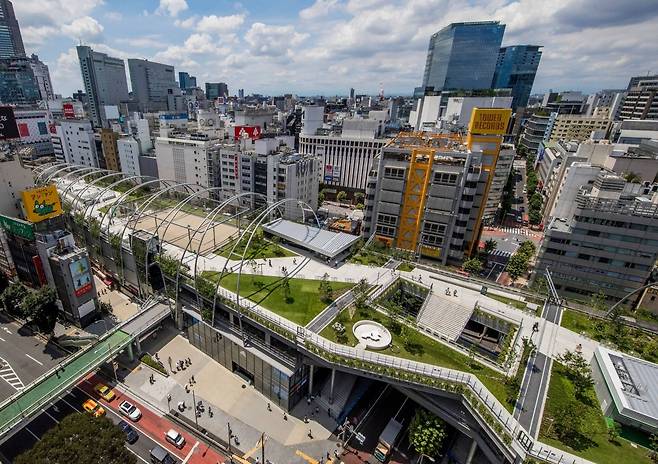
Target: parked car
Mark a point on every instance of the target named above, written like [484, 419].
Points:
[130, 410]
[175, 438]
[159, 455]
[131, 435]
[93, 408]
[104, 392]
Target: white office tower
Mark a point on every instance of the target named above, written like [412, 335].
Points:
[74, 143]
[312, 119]
[129, 151]
[293, 176]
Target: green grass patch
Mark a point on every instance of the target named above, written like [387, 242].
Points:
[594, 444]
[627, 339]
[408, 343]
[258, 249]
[267, 291]
[406, 267]
[510, 301]
[368, 258]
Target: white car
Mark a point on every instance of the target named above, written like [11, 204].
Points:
[175, 438]
[130, 410]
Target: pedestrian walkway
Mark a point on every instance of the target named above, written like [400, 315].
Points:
[8, 375]
[518, 231]
[501, 253]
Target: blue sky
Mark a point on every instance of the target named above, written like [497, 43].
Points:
[327, 46]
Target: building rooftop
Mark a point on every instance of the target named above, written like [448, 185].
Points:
[324, 242]
[633, 384]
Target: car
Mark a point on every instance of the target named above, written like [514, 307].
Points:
[159, 455]
[130, 410]
[175, 438]
[131, 435]
[104, 392]
[93, 408]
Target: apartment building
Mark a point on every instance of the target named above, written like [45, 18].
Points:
[74, 143]
[110, 151]
[641, 101]
[504, 167]
[128, 151]
[578, 127]
[535, 131]
[609, 243]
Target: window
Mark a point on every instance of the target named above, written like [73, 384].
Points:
[387, 219]
[394, 173]
[434, 228]
[385, 230]
[445, 178]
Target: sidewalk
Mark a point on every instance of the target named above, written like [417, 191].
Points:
[232, 401]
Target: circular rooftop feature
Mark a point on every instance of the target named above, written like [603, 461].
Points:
[372, 335]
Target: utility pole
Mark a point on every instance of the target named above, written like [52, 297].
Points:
[229, 437]
[262, 447]
[196, 418]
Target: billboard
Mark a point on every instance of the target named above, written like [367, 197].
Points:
[331, 173]
[69, 111]
[489, 121]
[41, 203]
[252, 132]
[8, 127]
[81, 276]
[17, 227]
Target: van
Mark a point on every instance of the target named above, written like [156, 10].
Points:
[159, 455]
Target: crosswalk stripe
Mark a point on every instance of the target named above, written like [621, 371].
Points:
[8, 375]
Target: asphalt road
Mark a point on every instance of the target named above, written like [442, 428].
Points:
[535, 381]
[67, 404]
[28, 356]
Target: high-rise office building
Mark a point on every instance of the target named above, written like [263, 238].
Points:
[516, 69]
[42, 77]
[641, 101]
[17, 83]
[463, 56]
[105, 82]
[152, 83]
[11, 42]
[216, 90]
[185, 81]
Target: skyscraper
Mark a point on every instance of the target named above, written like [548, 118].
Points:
[463, 56]
[516, 69]
[216, 90]
[17, 83]
[105, 82]
[152, 83]
[11, 42]
[42, 76]
[186, 81]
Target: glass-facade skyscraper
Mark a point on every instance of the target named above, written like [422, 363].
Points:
[516, 69]
[462, 56]
[11, 42]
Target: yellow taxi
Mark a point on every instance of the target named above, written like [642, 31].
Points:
[93, 408]
[104, 392]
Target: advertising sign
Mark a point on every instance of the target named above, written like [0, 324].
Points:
[69, 111]
[81, 276]
[336, 173]
[17, 227]
[41, 203]
[8, 127]
[252, 132]
[489, 121]
[328, 172]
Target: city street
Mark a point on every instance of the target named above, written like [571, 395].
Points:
[23, 356]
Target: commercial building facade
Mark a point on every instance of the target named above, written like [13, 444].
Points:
[129, 151]
[18, 85]
[536, 130]
[577, 127]
[11, 41]
[74, 142]
[33, 128]
[641, 101]
[516, 69]
[42, 77]
[152, 84]
[463, 56]
[216, 90]
[104, 78]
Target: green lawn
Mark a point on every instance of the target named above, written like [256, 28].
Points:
[369, 259]
[303, 307]
[258, 249]
[633, 341]
[418, 347]
[515, 303]
[406, 267]
[595, 446]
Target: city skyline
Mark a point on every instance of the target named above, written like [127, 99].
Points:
[279, 49]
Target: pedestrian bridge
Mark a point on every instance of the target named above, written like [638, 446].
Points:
[23, 404]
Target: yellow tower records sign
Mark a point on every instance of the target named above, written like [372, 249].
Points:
[41, 203]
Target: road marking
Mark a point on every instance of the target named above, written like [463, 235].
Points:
[8, 375]
[189, 455]
[137, 455]
[3, 339]
[35, 360]
[32, 433]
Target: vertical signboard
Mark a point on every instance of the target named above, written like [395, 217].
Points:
[81, 276]
[8, 127]
[69, 111]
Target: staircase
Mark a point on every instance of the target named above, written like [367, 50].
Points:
[444, 318]
[343, 384]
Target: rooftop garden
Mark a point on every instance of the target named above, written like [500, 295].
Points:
[410, 344]
[403, 297]
[573, 422]
[259, 248]
[297, 300]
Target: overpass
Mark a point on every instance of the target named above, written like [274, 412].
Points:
[22, 405]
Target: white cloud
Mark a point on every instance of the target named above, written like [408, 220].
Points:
[85, 28]
[269, 40]
[34, 36]
[147, 41]
[172, 7]
[318, 9]
[188, 23]
[220, 24]
[114, 16]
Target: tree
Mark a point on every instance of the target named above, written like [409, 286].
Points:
[517, 265]
[81, 438]
[359, 197]
[632, 177]
[489, 246]
[578, 370]
[326, 290]
[341, 197]
[571, 424]
[427, 433]
[653, 446]
[473, 265]
[361, 293]
[321, 197]
[614, 431]
[13, 296]
[41, 308]
[287, 294]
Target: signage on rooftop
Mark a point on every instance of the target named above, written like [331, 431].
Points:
[489, 121]
[17, 227]
[41, 203]
[8, 127]
[240, 132]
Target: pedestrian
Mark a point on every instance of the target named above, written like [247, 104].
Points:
[269, 407]
[317, 410]
[336, 453]
[193, 381]
[310, 434]
[328, 456]
[308, 400]
[270, 263]
[285, 416]
[187, 389]
[168, 398]
[306, 419]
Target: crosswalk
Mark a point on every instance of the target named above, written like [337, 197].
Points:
[8, 375]
[502, 253]
[516, 231]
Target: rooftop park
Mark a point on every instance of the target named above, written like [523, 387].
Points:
[573, 420]
[259, 248]
[298, 300]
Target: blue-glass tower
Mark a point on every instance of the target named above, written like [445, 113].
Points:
[462, 56]
[516, 69]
